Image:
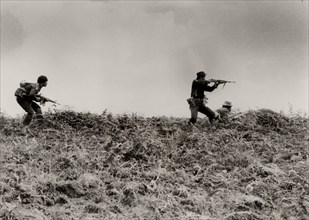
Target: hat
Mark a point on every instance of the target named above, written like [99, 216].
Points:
[227, 103]
[201, 74]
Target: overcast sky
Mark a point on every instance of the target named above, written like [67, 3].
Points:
[141, 56]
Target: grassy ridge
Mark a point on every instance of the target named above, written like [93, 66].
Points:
[87, 166]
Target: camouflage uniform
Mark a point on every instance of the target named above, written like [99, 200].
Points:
[26, 98]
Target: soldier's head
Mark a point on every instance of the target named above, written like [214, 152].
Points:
[227, 104]
[42, 80]
[200, 75]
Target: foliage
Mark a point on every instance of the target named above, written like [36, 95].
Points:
[87, 166]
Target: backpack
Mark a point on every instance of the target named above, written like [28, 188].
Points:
[25, 88]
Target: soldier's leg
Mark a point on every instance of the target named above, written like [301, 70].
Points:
[26, 105]
[38, 111]
[194, 112]
[208, 112]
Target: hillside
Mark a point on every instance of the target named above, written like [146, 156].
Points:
[87, 166]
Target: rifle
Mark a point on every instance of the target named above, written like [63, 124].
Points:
[220, 81]
[44, 99]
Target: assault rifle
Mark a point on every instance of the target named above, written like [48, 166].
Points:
[44, 99]
[220, 81]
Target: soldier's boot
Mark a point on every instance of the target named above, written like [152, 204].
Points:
[40, 118]
[192, 121]
[28, 118]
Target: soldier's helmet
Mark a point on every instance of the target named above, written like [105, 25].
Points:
[201, 74]
[227, 104]
[42, 79]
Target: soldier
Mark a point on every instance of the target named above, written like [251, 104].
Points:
[224, 111]
[198, 100]
[26, 96]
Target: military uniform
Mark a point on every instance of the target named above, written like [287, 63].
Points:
[198, 100]
[26, 96]
[224, 111]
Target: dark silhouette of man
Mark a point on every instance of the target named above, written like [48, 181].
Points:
[198, 100]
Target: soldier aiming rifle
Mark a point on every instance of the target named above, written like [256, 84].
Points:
[198, 100]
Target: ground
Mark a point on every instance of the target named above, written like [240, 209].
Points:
[87, 166]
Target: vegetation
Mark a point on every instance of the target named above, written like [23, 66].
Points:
[88, 166]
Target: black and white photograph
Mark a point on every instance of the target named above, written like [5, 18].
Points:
[154, 110]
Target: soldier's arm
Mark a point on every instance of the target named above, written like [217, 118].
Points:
[193, 88]
[33, 94]
[210, 88]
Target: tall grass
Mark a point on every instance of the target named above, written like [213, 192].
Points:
[103, 166]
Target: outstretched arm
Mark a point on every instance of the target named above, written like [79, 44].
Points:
[210, 88]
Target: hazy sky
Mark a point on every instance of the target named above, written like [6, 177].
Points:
[141, 56]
